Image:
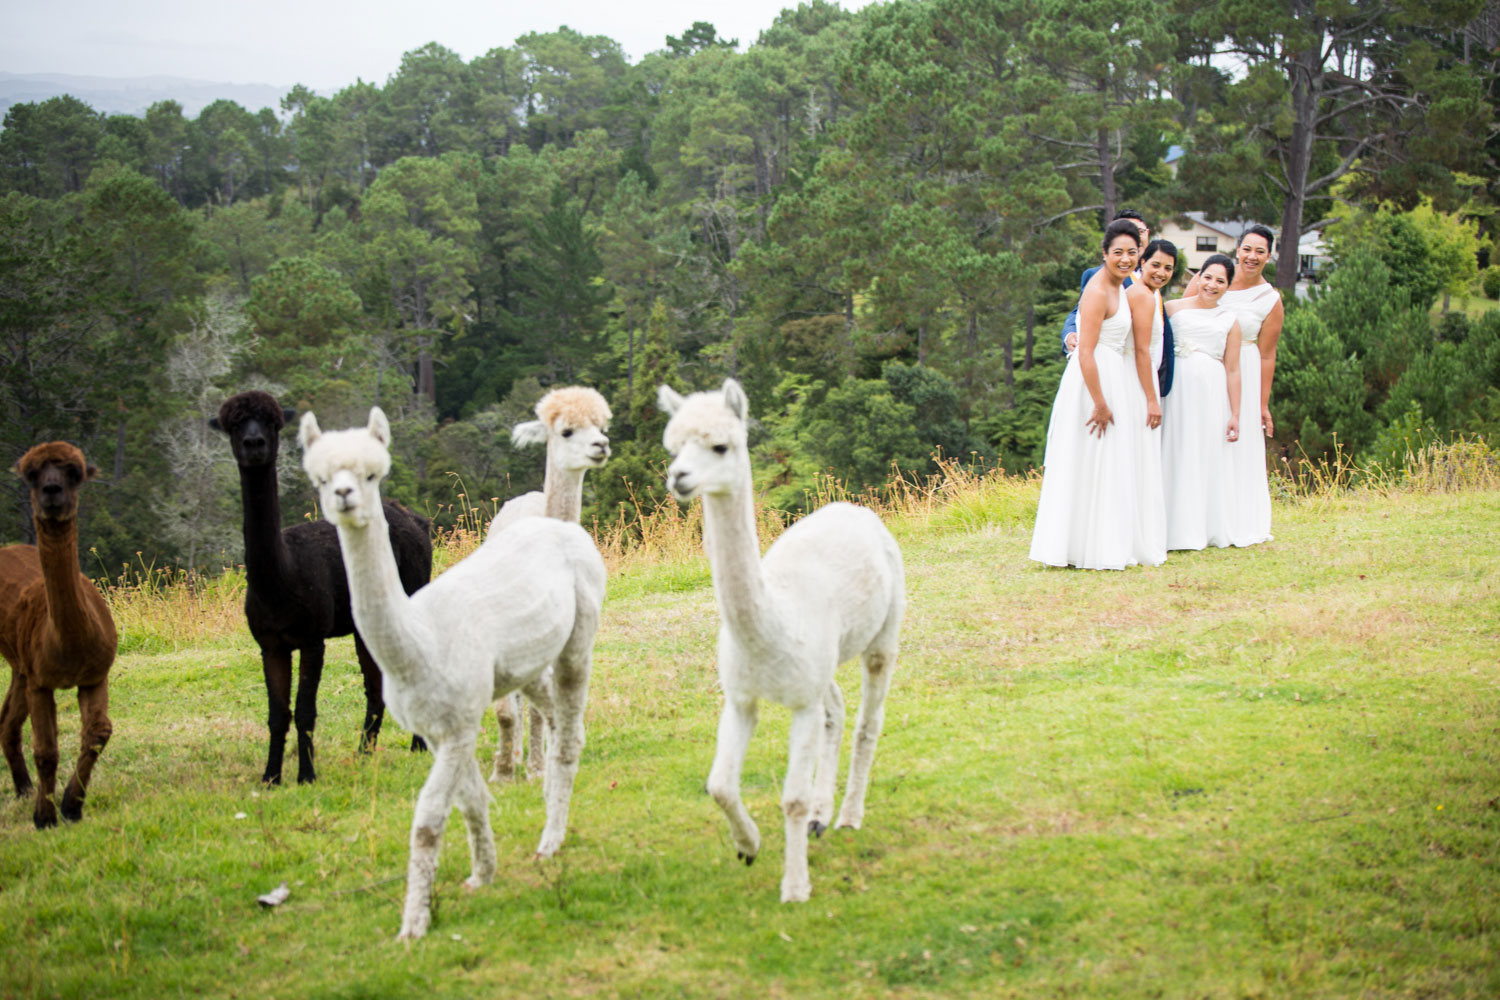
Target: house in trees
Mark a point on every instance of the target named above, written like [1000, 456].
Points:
[1202, 237]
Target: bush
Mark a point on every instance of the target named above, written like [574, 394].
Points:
[1490, 282]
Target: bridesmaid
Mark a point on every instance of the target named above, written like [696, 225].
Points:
[1092, 478]
[1257, 304]
[1202, 419]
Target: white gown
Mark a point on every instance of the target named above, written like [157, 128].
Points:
[1199, 477]
[1252, 493]
[1101, 505]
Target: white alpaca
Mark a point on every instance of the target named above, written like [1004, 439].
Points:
[519, 612]
[830, 588]
[572, 422]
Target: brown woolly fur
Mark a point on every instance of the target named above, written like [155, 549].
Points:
[574, 406]
[56, 631]
[262, 405]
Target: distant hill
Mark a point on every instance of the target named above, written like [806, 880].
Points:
[133, 95]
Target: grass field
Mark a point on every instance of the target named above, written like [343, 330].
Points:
[1271, 772]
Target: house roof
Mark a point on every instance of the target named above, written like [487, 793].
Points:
[1232, 229]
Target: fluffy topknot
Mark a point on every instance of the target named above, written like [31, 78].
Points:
[252, 403]
[709, 417]
[574, 406]
[52, 451]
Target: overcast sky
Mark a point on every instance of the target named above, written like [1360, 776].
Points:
[327, 45]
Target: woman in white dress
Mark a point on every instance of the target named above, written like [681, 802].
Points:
[1202, 419]
[1158, 262]
[1093, 474]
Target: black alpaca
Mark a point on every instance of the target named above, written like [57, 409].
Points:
[297, 594]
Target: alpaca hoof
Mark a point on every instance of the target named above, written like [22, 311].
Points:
[816, 829]
[44, 819]
[271, 778]
[72, 809]
[749, 859]
[24, 791]
[796, 893]
[418, 745]
[306, 779]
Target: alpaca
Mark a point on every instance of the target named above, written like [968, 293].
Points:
[519, 612]
[296, 595]
[572, 422]
[830, 588]
[56, 631]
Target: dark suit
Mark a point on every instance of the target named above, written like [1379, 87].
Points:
[1168, 359]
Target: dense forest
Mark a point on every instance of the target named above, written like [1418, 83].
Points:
[876, 221]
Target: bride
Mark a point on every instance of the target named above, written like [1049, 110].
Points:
[1095, 476]
[1202, 419]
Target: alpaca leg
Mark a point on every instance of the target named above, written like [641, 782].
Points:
[828, 760]
[796, 799]
[309, 674]
[93, 710]
[369, 732]
[12, 718]
[539, 695]
[474, 801]
[878, 667]
[44, 751]
[431, 815]
[507, 753]
[277, 666]
[736, 726]
[536, 742]
[565, 739]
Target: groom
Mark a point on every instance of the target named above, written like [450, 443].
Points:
[1070, 325]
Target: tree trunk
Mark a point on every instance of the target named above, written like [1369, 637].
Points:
[1106, 176]
[1030, 334]
[1307, 92]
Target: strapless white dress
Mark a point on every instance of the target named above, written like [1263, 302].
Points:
[1102, 505]
[1199, 479]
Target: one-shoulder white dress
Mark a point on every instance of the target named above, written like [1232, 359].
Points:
[1199, 479]
[1252, 493]
[1101, 504]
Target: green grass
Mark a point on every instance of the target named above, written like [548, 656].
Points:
[1271, 772]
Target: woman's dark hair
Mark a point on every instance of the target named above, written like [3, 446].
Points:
[1159, 246]
[1219, 258]
[1258, 230]
[1121, 227]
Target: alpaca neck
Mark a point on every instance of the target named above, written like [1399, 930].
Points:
[733, 547]
[382, 609]
[563, 492]
[266, 555]
[57, 547]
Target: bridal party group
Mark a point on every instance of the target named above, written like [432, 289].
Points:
[1157, 440]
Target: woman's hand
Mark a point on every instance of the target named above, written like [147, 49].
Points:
[1233, 433]
[1153, 414]
[1101, 418]
[1266, 423]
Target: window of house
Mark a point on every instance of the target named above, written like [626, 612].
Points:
[1209, 243]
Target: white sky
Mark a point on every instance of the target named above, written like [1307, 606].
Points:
[327, 45]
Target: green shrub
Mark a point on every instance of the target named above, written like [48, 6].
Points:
[1490, 282]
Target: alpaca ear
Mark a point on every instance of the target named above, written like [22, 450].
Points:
[734, 398]
[531, 432]
[90, 471]
[668, 399]
[213, 423]
[379, 427]
[287, 415]
[309, 431]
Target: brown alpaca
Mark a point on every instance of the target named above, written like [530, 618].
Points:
[56, 631]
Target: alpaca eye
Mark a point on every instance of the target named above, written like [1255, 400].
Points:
[370, 478]
[722, 449]
[568, 433]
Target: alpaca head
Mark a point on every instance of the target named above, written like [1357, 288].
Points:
[252, 420]
[573, 421]
[53, 472]
[347, 467]
[707, 439]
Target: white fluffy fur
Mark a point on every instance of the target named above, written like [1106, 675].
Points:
[830, 588]
[573, 423]
[520, 612]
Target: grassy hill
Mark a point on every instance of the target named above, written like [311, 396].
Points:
[1259, 773]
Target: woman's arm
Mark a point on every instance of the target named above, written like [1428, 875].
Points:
[1142, 316]
[1232, 378]
[1090, 316]
[1270, 333]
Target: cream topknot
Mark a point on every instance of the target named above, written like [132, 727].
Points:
[574, 406]
[355, 448]
[707, 417]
